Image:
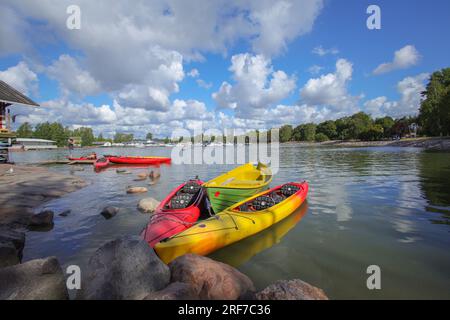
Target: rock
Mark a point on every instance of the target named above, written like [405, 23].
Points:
[123, 171]
[11, 246]
[77, 168]
[65, 213]
[40, 279]
[154, 175]
[125, 268]
[136, 189]
[142, 175]
[291, 290]
[147, 205]
[211, 279]
[42, 219]
[174, 291]
[152, 183]
[109, 212]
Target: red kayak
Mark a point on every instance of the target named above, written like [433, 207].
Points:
[101, 163]
[138, 160]
[176, 213]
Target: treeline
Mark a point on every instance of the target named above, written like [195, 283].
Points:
[56, 132]
[358, 126]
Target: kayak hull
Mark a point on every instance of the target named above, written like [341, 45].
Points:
[237, 185]
[229, 226]
[166, 222]
[138, 160]
[101, 163]
[80, 158]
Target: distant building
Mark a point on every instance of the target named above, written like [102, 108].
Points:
[33, 144]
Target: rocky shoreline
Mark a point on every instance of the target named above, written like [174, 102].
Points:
[23, 188]
[128, 269]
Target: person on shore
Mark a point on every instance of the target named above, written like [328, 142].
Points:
[92, 156]
[70, 144]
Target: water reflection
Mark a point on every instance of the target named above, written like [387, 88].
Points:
[240, 252]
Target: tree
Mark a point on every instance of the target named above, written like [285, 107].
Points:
[434, 114]
[328, 128]
[386, 123]
[86, 134]
[149, 136]
[321, 137]
[286, 133]
[373, 133]
[25, 130]
[123, 137]
[309, 132]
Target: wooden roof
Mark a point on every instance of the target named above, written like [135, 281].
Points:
[10, 95]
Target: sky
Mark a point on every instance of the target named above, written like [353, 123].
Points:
[166, 65]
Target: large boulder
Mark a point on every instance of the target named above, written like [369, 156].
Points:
[124, 269]
[211, 279]
[291, 290]
[40, 279]
[147, 205]
[12, 242]
[174, 291]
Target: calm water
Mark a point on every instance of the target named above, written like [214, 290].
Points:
[383, 206]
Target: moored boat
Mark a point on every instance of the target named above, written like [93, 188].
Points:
[237, 222]
[237, 185]
[137, 160]
[177, 212]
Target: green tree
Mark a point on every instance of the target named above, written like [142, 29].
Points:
[309, 132]
[286, 133]
[386, 123]
[321, 137]
[373, 133]
[86, 134]
[149, 136]
[25, 130]
[123, 137]
[434, 114]
[328, 128]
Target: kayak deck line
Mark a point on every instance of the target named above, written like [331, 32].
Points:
[69, 162]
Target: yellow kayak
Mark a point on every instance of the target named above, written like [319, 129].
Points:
[237, 222]
[237, 185]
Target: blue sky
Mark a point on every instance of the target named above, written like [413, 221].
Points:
[129, 69]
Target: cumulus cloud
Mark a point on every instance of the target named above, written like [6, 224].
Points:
[71, 78]
[257, 86]
[404, 58]
[321, 51]
[410, 89]
[20, 77]
[331, 91]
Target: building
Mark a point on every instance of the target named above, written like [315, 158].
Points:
[9, 97]
[33, 144]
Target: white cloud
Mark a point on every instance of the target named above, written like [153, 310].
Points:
[409, 89]
[72, 79]
[257, 86]
[315, 69]
[194, 73]
[20, 77]
[330, 90]
[404, 58]
[321, 51]
[203, 84]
